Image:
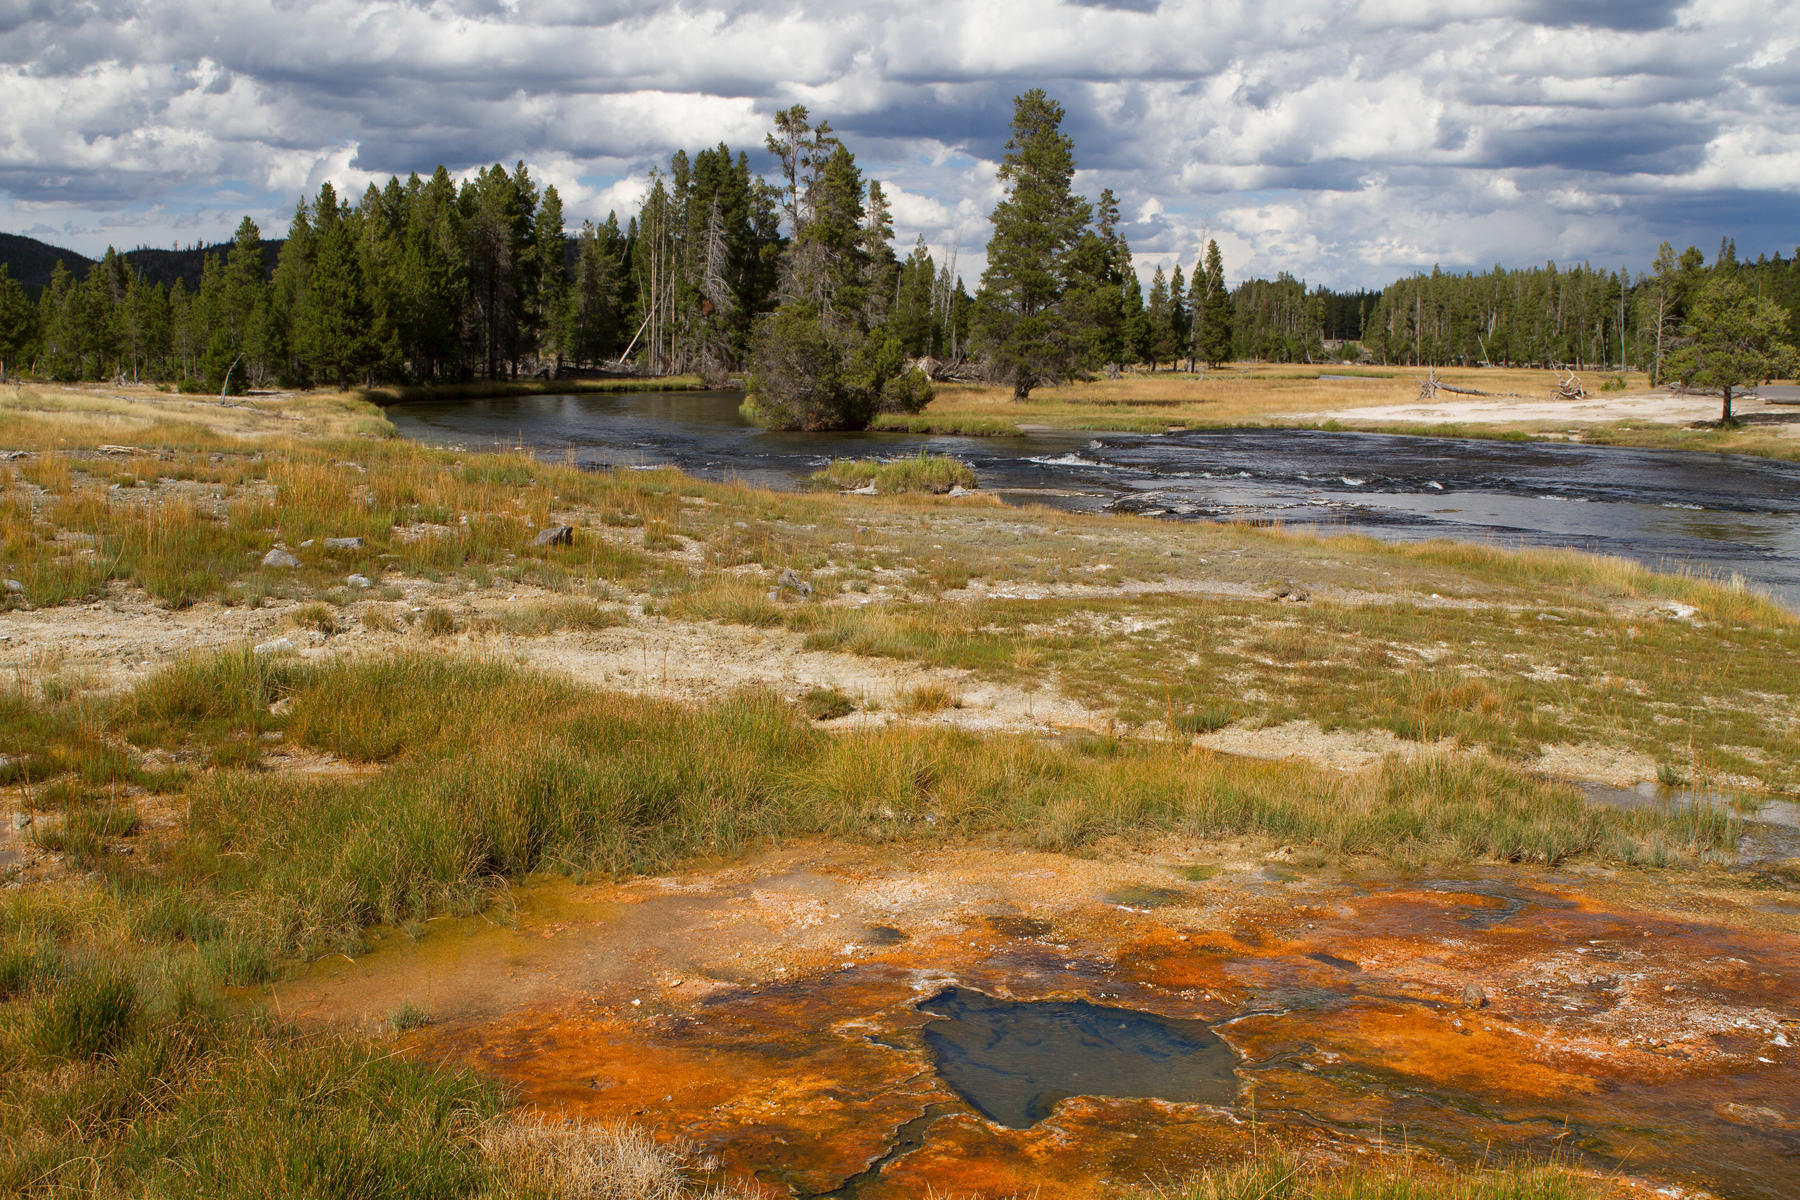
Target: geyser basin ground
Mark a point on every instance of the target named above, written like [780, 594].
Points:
[778, 1013]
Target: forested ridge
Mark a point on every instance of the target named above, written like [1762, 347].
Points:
[431, 280]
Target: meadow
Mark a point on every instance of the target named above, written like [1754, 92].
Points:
[208, 820]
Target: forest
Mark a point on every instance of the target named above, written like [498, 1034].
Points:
[431, 280]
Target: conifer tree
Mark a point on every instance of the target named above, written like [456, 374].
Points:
[1212, 320]
[1135, 325]
[1156, 316]
[1180, 320]
[1734, 339]
[18, 324]
[331, 328]
[1021, 323]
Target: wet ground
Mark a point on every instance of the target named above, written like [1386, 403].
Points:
[1716, 514]
[880, 1022]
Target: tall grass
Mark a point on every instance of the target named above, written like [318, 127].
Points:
[1283, 1175]
[493, 773]
[931, 473]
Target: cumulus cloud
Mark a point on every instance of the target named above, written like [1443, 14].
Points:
[1344, 143]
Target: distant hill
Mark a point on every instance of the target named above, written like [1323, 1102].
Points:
[30, 261]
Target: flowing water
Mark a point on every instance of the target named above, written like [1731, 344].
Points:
[1712, 514]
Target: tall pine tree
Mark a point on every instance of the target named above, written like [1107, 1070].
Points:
[1021, 323]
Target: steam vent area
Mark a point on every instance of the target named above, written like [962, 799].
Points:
[884, 1022]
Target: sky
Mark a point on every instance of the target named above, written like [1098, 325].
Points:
[1347, 142]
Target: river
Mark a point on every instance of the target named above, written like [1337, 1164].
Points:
[1710, 514]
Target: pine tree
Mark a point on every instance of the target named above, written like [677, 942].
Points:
[1135, 323]
[1020, 322]
[18, 324]
[1213, 319]
[1156, 315]
[1735, 339]
[332, 325]
[1097, 300]
[1180, 319]
[816, 361]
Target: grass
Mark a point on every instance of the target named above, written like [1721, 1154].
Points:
[123, 1071]
[491, 773]
[1282, 1175]
[128, 1065]
[935, 474]
[1242, 394]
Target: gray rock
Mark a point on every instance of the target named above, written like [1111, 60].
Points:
[278, 645]
[1473, 996]
[14, 587]
[349, 543]
[556, 535]
[790, 579]
[358, 581]
[280, 558]
[21, 820]
[307, 542]
[774, 595]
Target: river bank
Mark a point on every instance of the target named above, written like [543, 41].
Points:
[1519, 404]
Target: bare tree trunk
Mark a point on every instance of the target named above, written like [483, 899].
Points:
[1725, 415]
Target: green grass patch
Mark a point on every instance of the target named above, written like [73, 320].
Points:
[934, 474]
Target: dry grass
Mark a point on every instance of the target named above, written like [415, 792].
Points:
[1231, 395]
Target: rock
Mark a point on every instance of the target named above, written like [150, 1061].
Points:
[868, 489]
[1473, 996]
[960, 490]
[358, 581]
[346, 543]
[556, 535]
[790, 578]
[1291, 593]
[774, 595]
[278, 645]
[306, 543]
[20, 820]
[280, 558]
[13, 587]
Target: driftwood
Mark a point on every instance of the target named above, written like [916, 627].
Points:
[1430, 386]
[1569, 387]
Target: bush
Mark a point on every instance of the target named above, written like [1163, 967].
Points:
[907, 392]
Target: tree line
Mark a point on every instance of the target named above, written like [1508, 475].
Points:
[794, 280]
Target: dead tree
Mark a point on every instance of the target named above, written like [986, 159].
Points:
[1569, 387]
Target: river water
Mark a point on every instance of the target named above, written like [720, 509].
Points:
[1710, 514]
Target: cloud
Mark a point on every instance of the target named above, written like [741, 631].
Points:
[1346, 143]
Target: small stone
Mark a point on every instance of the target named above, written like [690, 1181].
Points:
[280, 558]
[556, 535]
[306, 543]
[1473, 996]
[774, 596]
[279, 645]
[790, 578]
[14, 587]
[358, 581]
[343, 543]
[21, 820]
